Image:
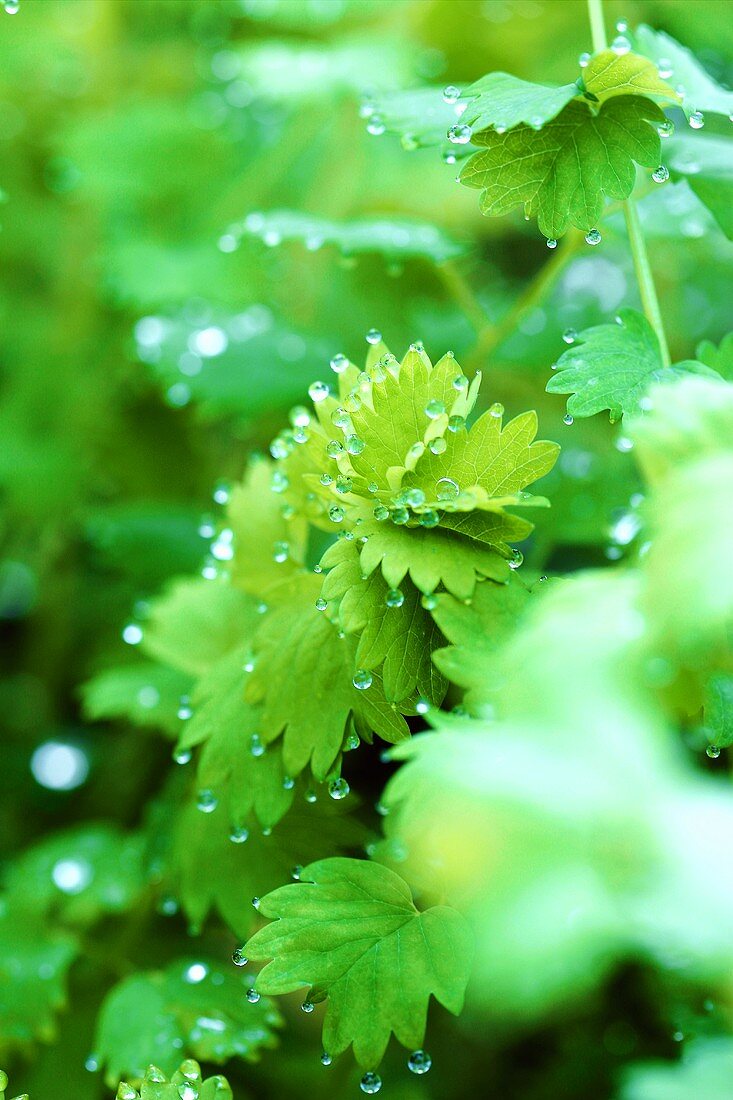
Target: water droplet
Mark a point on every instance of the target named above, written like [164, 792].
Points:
[380, 513]
[419, 1062]
[339, 363]
[206, 801]
[184, 711]
[430, 518]
[154, 1075]
[307, 1006]
[400, 515]
[362, 679]
[394, 598]
[665, 129]
[370, 1083]
[455, 423]
[713, 752]
[238, 834]
[434, 409]
[354, 445]
[422, 706]
[447, 489]
[438, 446]
[570, 335]
[460, 383]
[288, 783]
[126, 1092]
[583, 60]
[310, 796]
[255, 745]
[593, 237]
[660, 174]
[374, 336]
[340, 418]
[429, 602]
[296, 872]
[551, 242]
[238, 957]
[321, 604]
[664, 68]
[343, 484]
[132, 634]
[339, 788]
[91, 1065]
[451, 93]
[279, 482]
[516, 559]
[620, 45]
[376, 125]
[280, 551]
[496, 410]
[326, 1059]
[252, 995]
[697, 120]
[336, 513]
[196, 973]
[459, 134]
[12, 7]
[567, 419]
[318, 391]
[255, 903]
[334, 448]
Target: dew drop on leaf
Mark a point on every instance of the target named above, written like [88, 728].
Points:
[660, 174]
[697, 120]
[326, 1059]
[447, 489]
[419, 1062]
[239, 958]
[373, 336]
[370, 1083]
[362, 679]
[593, 237]
[206, 801]
[252, 995]
[339, 788]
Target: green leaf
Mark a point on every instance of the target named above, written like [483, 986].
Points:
[561, 173]
[349, 931]
[196, 622]
[145, 694]
[419, 116]
[699, 91]
[156, 1086]
[303, 678]
[706, 162]
[395, 637]
[209, 872]
[192, 1006]
[612, 367]
[394, 238]
[475, 631]
[79, 875]
[503, 101]
[719, 710]
[33, 968]
[718, 358]
[608, 74]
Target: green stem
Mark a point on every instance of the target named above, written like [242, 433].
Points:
[462, 294]
[643, 270]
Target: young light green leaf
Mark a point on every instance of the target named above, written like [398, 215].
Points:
[609, 74]
[155, 1085]
[719, 709]
[394, 238]
[706, 162]
[503, 101]
[192, 1006]
[421, 117]
[612, 367]
[561, 173]
[304, 680]
[349, 932]
[682, 69]
[146, 694]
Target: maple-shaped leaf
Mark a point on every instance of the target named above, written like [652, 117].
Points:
[612, 367]
[609, 74]
[195, 1006]
[706, 163]
[681, 68]
[349, 932]
[561, 173]
[396, 634]
[186, 1080]
[212, 868]
[475, 631]
[303, 678]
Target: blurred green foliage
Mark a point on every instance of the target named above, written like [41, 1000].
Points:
[195, 219]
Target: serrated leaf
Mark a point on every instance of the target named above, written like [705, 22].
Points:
[191, 1006]
[33, 970]
[706, 162]
[196, 622]
[209, 872]
[561, 173]
[719, 710]
[146, 694]
[699, 91]
[156, 1086]
[394, 238]
[475, 631]
[609, 74]
[349, 931]
[79, 875]
[503, 101]
[612, 367]
[303, 679]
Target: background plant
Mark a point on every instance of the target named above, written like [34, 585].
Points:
[199, 231]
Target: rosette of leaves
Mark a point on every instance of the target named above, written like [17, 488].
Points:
[417, 501]
[187, 1083]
